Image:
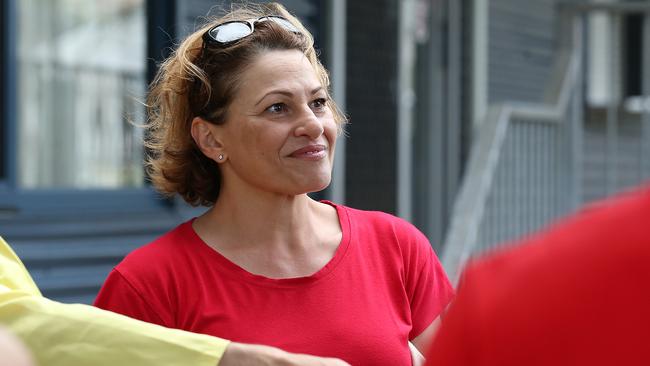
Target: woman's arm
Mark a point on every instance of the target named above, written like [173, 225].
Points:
[423, 341]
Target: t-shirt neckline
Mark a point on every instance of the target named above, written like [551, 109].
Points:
[233, 270]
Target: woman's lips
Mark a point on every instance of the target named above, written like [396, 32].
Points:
[311, 152]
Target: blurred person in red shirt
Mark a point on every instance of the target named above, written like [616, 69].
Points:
[577, 294]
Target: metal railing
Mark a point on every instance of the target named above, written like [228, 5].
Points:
[527, 162]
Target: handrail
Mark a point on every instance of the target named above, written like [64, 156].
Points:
[470, 203]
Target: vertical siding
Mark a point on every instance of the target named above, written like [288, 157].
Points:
[629, 160]
[521, 36]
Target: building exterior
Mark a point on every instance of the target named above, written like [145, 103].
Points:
[427, 84]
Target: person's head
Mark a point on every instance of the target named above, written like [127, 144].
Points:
[243, 99]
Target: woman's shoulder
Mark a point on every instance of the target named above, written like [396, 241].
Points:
[378, 219]
[143, 285]
[389, 237]
[384, 224]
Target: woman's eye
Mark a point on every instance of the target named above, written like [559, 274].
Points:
[277, 108]
[319, 103]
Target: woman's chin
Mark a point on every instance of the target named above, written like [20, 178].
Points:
[318, 184]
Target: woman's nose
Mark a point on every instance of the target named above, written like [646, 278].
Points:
[309, 125]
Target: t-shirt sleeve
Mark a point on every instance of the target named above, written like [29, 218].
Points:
[427, 285]
[119, 295]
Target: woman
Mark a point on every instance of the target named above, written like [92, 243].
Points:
[242, 122]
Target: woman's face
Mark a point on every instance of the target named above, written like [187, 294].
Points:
[280, 134]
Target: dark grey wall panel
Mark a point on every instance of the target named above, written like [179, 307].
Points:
[521, 45]
[371, 164]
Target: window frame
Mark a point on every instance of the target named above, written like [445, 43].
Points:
[7, 101]
[17, 202]
[3, 76]
[633, 53]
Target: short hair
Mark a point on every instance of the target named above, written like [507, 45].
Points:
[200, 81]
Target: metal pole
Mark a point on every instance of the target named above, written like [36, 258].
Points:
[337, 51]
[406, 102]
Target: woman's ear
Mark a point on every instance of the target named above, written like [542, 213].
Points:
[207, 138]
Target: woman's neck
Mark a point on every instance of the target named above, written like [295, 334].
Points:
[279, 238]
[262, 218]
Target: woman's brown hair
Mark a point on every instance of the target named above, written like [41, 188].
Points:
[200, 81]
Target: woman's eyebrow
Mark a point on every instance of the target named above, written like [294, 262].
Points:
[285, 93]
[277, 91]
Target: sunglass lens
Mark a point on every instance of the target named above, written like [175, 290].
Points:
[284, 23]
[230, 32]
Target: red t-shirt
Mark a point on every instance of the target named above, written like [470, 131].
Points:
[383, 286]
[578, 294]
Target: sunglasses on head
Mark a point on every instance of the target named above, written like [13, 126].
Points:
[226, 33]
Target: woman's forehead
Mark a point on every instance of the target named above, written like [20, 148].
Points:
[280, 69]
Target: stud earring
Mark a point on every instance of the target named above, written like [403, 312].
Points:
[220, 157]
